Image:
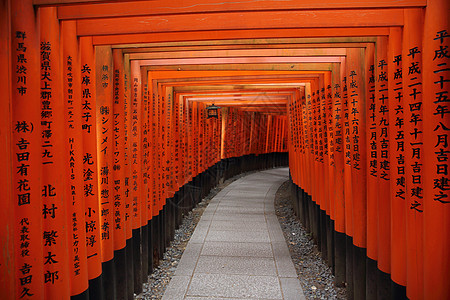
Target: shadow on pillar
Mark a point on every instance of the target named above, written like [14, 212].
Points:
[120, 259]
[359, 272]
[109, 279]
[349, 267]
[137, 261]
[96, 288]
[340, 259]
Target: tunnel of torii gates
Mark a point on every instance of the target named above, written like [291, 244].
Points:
[105, 140]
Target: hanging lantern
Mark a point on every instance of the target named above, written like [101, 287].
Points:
[213, 111]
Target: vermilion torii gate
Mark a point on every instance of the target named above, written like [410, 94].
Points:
[105, 140]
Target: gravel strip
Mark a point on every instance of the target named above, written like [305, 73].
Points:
[315, 276]
[160, 278]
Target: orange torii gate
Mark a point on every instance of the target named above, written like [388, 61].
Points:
[374, 130]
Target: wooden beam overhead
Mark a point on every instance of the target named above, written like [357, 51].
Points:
[233, 88]
[190, 36]
[255, 42]
[316, 52]
[239, 60]
[89, 9]
[248, 67]
[238, 102]
[241, 47]
[242, 20]
[236, 81]
[229, 75]
[239, 91]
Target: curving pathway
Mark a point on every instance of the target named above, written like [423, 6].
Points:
[238, 250]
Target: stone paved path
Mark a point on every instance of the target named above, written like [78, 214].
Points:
[237, 250]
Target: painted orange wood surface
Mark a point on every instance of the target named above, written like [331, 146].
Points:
[357, 119]
[90, 172]
[371, 144]
[118, 170]
[105, 151]
[338, 150]
[243, 34]
[413, 94]
[137, 8]
[26, 152]
[436, 125]
[241, 20]
[383, 143]
[136, 145]
[7, 256]
[396, 119]
[74, 145]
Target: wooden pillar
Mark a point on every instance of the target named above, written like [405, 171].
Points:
[105, 120]
[26, 152]
[397, 162]
[328, 168]
[384, 195]
[54, 211]
[338, 169]
[372, 174]
[136, 172]
[413, 135]
[74, 161]
[153, 104]
[346, 105]
[118, 174]
[146, 199]
[128, 177]
[7, 256]
[169, 114]
[307, 117]
[357, 119]
[322, 163]
[90, 171]
[436, 130]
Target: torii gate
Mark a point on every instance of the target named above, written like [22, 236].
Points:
[120, 129]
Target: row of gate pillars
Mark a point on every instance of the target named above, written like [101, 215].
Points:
[349, 263]
[125, 274]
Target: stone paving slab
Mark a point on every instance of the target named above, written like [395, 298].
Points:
[240, 236]
[238, 250]
[236, 265]
[235, 286]
[239, 226]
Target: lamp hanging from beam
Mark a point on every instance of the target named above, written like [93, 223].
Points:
[213, 111]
